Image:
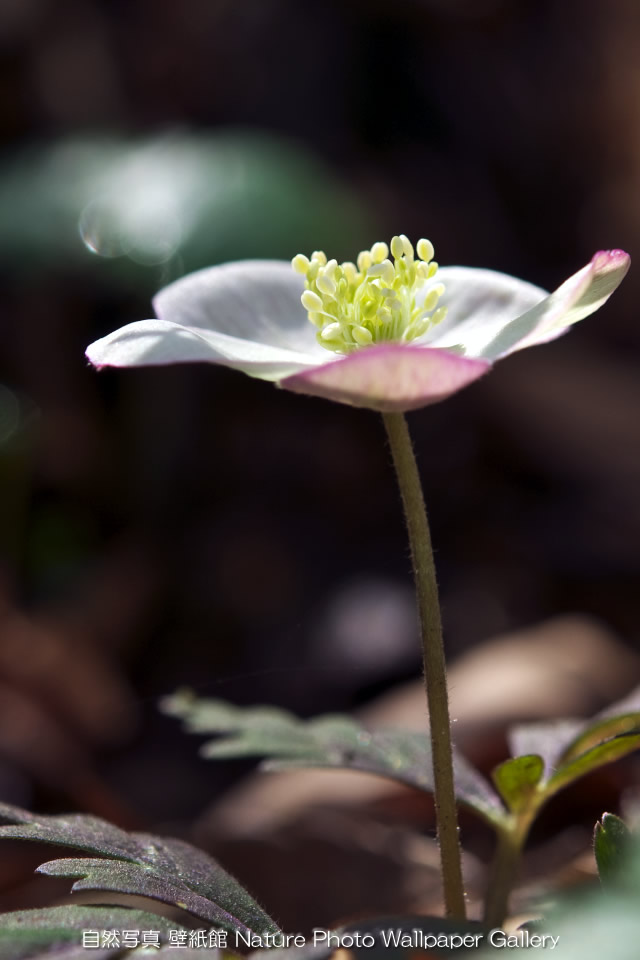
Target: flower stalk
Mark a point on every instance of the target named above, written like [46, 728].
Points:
[433, 659]
[511, 840]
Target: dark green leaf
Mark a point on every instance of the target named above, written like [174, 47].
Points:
[57, 931]
[517, 780]
[329, 741]
[612, 842]
[165, 869]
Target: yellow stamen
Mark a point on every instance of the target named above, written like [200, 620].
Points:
[375, 301]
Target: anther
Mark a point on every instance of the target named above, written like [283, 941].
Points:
[406, 246]
[397, 247]
[311, 301]
[331, 331]
[300, 263]
[425, 250]
[364, 261]
[379, 252]
[362, 336]
[326, 285]
[383, 270]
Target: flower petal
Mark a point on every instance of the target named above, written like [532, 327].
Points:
[257, 300]
[492, 314]
[582, 294]
[159, 342]
[480, 304]
[389, 377]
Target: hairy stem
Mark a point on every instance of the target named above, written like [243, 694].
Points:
[434, 660]
[504, 869]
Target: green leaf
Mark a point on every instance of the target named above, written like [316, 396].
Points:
[612, 841]
[331, 741]
[548, 740]
[518, 779]
[570, 749]
[596, 732]
[598, 756]
[57, 931]
[168, 870]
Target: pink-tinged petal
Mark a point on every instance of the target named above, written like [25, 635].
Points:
[389, 377]
[159, 342]
[582, 294]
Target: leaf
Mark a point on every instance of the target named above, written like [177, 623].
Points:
[572, 748]
[57, 931]
[331, 741]
[168, 870]
[517, 780]
[590, 760]
[602, 729]
[612, 841]
[548, 740]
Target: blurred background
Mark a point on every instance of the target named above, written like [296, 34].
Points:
[190, 526]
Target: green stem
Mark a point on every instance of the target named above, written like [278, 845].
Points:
[504, 869]
[434, 661]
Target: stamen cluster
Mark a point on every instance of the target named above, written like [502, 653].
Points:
[373, 300]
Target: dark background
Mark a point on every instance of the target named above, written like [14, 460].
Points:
[188, 525]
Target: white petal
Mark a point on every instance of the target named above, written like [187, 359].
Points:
[481, 303]
[256, 300]
[159, 342]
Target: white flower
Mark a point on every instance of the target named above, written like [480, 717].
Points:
[390, 336]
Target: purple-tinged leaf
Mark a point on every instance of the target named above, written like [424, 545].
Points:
[56, 932]
[165, 869]
[140, 880]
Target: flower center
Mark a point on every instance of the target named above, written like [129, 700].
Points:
[373, 300]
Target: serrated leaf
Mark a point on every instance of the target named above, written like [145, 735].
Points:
[590, 760]
[331, 741]
[517, 780]
[168, 870]
[56, 932]
[612, 841]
